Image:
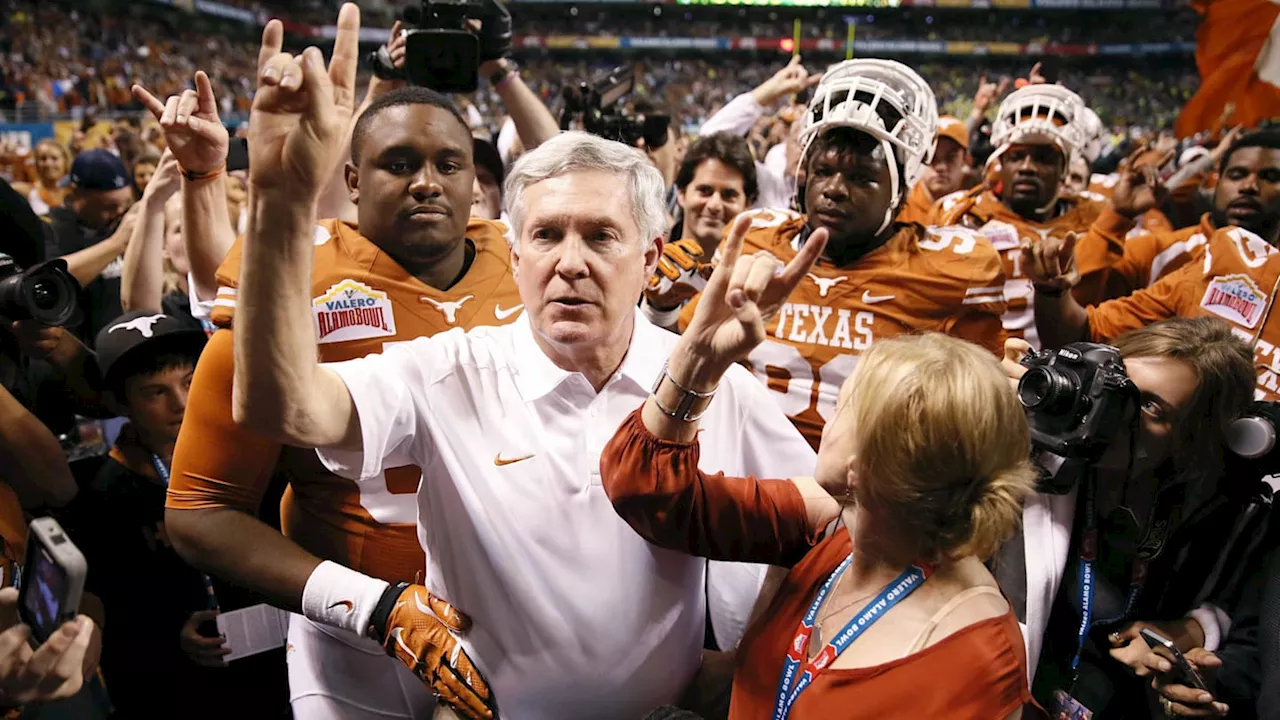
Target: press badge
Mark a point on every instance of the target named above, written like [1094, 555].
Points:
[1064, 707]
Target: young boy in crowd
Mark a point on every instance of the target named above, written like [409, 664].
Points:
[162, 635]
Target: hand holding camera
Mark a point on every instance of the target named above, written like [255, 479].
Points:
[53, 670]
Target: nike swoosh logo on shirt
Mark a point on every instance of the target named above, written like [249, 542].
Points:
[345, 603]
[869, 299]
[500, 461]
[501, 314]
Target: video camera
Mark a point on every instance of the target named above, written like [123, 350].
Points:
[46, 293]
[441, 51]
[1076, 399]
[595, 105]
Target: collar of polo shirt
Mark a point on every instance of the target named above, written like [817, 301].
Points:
[536, 375]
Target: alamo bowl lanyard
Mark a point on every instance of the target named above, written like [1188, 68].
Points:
[1088, 574]
[162, 471]
[789, 687]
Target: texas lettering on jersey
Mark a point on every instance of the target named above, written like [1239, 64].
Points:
[947, 280]
[981, 210]
[1236, 282]
[362, 300]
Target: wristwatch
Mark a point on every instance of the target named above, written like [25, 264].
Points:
[507, 66]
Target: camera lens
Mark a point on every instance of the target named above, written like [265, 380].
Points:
[1046, 389]
[44, 295]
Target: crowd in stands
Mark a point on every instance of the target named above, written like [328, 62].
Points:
[50, 72]
[306, 303]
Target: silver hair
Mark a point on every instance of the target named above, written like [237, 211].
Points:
[578, 152]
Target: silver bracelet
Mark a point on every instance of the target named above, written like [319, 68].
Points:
[688, 399]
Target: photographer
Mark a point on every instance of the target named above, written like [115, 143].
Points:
[1122, 519]
[91, 233]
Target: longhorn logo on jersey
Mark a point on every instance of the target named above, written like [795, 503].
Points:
[352, 310]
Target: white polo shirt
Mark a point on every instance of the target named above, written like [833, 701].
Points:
[574, 615]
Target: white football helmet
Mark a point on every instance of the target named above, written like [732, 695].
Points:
[1091, 129]
[1042, 109]
[886, 100]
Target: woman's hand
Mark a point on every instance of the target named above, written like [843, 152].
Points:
[192, 129]
[743, 294]
[1128, 647]
[1015, 349]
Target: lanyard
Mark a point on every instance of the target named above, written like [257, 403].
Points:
[893, 593]
[1087, 574]
[163, 472]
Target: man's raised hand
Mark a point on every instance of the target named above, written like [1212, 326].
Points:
[302, 111]
[194, 133]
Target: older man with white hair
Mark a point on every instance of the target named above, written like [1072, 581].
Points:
[573, 614]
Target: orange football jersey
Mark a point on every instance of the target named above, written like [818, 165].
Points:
[979, 209]
[918, 206]
[948, 280]
[1236, 282]
[362, 301]
[1114, 258]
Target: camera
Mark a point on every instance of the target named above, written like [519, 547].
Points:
[1252, 438]
[441, 51]
[595, 105]
[46, 293]
[1076, 399]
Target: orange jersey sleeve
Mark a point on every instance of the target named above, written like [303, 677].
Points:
[919, 206]
[207, 473]
[1173, 296]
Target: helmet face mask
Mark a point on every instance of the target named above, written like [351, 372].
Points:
[1043, 113]
[884, 99]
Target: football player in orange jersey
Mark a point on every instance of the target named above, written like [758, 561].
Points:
[870, 128]
[1238, 280]
[1035, 133]
[417, 266]
[1245, 196]
[945, 174]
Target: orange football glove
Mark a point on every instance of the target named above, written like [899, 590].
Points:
[679, 276]
[420, 630]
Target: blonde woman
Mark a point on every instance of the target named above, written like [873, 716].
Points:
[890, 613]
[52, 162]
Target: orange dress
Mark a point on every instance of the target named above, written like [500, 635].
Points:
[655, 485]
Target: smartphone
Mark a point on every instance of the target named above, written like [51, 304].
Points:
[52, 580]
[1165, 648]
[238, 154]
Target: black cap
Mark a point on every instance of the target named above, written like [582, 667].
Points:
[126, 336]
[487, 157]
[98, 170]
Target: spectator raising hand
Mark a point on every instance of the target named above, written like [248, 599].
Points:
[192, 130]
[198, 142]
[790, 80]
